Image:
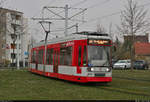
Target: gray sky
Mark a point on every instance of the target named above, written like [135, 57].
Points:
[97, 12]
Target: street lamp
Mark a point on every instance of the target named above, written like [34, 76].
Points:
[14, 37]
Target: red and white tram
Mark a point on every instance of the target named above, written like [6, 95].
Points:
[80, 57]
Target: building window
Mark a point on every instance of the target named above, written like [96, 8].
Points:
[13, 46]
[12, 26]
[3, 46]
[14, 37]
[15, 17]
[13, 55]
[19, 46]
[18, 17]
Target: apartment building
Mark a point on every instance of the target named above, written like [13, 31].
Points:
[13, 36]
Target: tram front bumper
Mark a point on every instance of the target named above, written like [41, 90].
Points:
[95, 79]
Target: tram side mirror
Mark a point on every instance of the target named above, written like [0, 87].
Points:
[89, 65]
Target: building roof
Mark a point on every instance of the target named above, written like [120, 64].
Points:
[138, 38]
[142, 48]
[9, 10]
[71, 37]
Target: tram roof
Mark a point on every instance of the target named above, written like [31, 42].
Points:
[75, 36]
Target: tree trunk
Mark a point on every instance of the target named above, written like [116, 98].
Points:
[132, 52]
[132, 57]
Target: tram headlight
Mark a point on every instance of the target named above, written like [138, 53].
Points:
[107, 69]
[90, 69]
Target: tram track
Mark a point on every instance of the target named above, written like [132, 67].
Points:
[126, 91]
[127, 78]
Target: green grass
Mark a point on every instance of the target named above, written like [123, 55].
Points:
[23, 85]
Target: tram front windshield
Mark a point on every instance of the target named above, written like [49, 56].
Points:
[98, 55]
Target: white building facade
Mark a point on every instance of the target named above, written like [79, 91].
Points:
[16, 36]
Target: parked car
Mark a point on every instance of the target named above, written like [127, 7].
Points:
[122, 64]
[140, 64]
[113, 62]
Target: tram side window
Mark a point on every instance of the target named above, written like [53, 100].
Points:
[79, 57]
[69, 56]
[66, 56]
[84, 56]
[49, 56]
[62, 56]
[33, 59]
[40, 57]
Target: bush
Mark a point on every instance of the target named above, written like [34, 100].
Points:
[6, 63]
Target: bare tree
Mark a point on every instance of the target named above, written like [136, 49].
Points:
[101, 29]
[133, 21]
[2, 2]
[111, 34]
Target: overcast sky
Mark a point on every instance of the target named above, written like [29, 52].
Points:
[97, 13]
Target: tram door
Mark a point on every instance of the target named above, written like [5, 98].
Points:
[56, 60]
[36, 59]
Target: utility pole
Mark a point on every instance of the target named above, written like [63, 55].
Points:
[66, 18]
[77, 28]
[76, 25]
[47, 32]
[18, 65]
